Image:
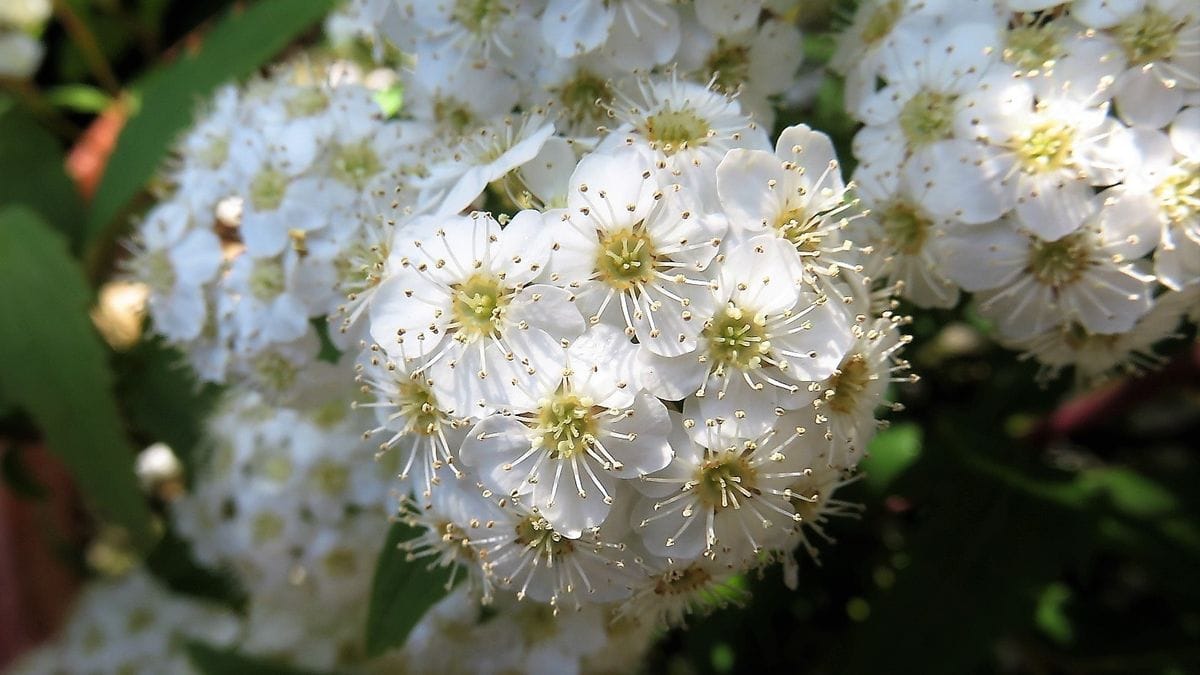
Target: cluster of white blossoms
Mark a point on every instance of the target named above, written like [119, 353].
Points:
[21, 24]
[658, 385]
[612, 338]
[520, 638]
[1042, 156]
[130, 625]
[478, 60]
[261, 233]
[291, 501]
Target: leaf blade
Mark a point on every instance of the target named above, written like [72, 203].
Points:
[54, 365]
[401, 592]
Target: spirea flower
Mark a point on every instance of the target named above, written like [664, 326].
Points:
[1042, 161]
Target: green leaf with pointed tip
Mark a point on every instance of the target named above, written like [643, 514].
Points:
[403, 589]
[54, 365]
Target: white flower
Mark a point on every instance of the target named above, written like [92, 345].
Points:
[464, 297]
[904, 241]
[577, 425]
[673, 590]
[1046, 153]
[452, 184]
[763, 337]
[725, 495]
[849, 398]
[633, 254]
[685, 129]
[1034, 284]
[526, 554]
[269, 299]
[177, 260]
[911, 121]
[755, 62]
[454, 519]
[1096, 358]
[415, 422]
[797, 194]
[1163, 194]
[20, 54]
[1160, 41]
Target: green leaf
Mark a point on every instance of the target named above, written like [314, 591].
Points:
[210, 660]
[401, 592]
[53, 364]
[163, 399]
[32, 173]
[79, 98]
[1051, 616]
[236, 46]
[892, 451]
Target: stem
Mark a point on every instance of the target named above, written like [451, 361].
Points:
[83, 38]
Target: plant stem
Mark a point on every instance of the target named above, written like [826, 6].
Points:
[81, 34]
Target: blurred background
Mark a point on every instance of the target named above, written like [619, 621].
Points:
[1002, 525]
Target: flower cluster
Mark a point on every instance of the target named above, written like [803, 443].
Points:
[261, 233]
[1043, 156]
[520, 638]
[130, 624]
[636, 395]
[21, 23]
[291, 501]
[616, 341]
[476, 61]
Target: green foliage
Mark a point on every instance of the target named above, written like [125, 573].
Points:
[53, 364]
[31, 173]
[167, 98]
[892, 451]
[212, 661]
[79, 98]
[401, 592]
[163, 399]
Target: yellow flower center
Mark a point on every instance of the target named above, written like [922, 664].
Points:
[566, 425]
[626, 258]
[927, 117]
[1045, 147]
[1059, 263]
[1149, 35]
[723, 480]
[479, 304]
[737, 339]
[674, 130]
[905, 226]
[848, 383]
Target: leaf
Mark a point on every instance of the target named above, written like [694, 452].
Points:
[32, 173]
[236, 46]
[891, 452]
[401, 592]
[173, 563]
[53, 364]
[162, 398]
[79, 98]
[210, 660]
